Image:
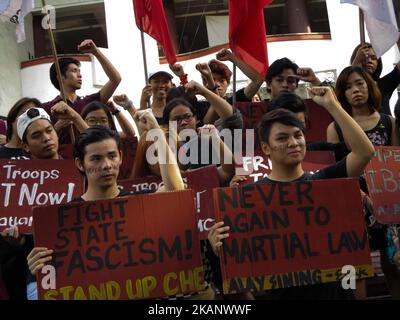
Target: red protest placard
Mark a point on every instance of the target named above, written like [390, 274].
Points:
[202, 181]
[383, 179]
[318, 118]
[29, 183]
[139, 247]
[291, 234]
[259, 167]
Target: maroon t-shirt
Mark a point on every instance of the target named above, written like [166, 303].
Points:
[77, 105]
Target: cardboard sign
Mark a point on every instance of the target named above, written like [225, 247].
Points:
[128, 149]
[29, 183]
[259, 166]
[383, 180]
[130, 248]
[202, 181]
[291, 234]
[318, 118]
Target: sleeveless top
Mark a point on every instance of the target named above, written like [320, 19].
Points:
[380, 135]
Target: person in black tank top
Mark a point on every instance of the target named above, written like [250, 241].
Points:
[359, 95]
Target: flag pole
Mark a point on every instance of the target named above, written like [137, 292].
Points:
[234, 72]
[146, 75]
[58, 70]
[362, 30]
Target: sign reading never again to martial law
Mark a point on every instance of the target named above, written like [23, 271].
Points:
[139, 247]
[29, 183]
[383, 178]
[202, 181]
[291, 234]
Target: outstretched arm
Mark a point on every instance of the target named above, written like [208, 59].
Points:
[88, 46]
[221, 107]
[227, 168]
[362, 149]
[126, 127]
[169, 168]
[256, 79]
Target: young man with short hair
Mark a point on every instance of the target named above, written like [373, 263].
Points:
[283, 76]
[39, 139]
[72, 80]
[98, 156]
[282, 139]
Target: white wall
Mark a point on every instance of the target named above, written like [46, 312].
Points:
[36, 82]
[126, 53]
[10, 78]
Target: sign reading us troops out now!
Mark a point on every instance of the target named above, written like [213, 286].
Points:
[383, 179]
[291, 234]
[201, 181]
[25, 184]
[129, 248]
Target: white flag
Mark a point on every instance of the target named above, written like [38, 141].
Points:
[14, 11]
[380, 21]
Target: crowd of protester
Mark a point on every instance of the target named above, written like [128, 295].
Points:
[359, 106]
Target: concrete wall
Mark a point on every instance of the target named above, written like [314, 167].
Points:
[10, 76]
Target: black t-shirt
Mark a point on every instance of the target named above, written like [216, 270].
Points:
[324, 291]
[340, 150]
[334, 171]
[12, 153]
[387, 85]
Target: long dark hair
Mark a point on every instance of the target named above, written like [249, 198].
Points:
[374, 95]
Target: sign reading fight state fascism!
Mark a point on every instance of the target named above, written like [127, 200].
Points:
[29, 183]
[129, 248]
[383, 179]
[202, 181]
[291, 234]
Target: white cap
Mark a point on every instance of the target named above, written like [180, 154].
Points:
[160, 73]
[29, 116]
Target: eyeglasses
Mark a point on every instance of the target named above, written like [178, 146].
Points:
[187, 117]
[97, 122]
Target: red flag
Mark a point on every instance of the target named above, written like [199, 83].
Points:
[150, 18]
[247, 28]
